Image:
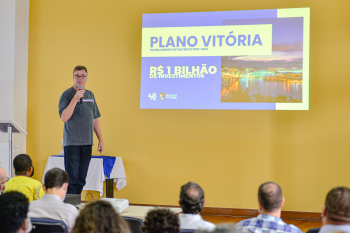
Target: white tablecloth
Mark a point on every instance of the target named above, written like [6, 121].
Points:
[95, 176]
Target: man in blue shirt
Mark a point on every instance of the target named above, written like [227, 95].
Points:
[269, 220]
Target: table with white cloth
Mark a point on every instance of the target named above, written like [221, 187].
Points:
[98, 172]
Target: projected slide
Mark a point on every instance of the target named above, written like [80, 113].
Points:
[243, 60]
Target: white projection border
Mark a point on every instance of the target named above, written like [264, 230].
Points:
[305, 13]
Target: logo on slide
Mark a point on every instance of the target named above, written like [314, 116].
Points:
[162, 96]
[152, 96]
[171, 96]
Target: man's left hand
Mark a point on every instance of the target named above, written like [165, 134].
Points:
[100, 147]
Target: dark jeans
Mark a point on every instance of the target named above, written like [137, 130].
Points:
[76, 163]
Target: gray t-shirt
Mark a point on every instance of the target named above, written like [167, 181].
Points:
[79, 129]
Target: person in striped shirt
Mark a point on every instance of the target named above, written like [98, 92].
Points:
[269, 220]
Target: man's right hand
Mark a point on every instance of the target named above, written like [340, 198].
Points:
[68, 111]
[79, 94]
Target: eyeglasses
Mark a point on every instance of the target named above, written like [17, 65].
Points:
[80, 77]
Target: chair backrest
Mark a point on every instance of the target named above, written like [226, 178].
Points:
[46, 225]
[134, 224]
[188, 230]
[313, 230]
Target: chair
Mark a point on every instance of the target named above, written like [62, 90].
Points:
[46, 225]
[188, 230]
[313, 230]
[134, 224]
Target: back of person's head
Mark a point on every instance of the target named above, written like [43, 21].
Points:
[270, 196]
[100, 216]
[13, 212]
[161, 221]
[22, 163]
[191, 198]
[55, 178]
[338, 205]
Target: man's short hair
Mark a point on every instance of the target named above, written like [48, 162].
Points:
[191, 198]
[79, 68]
[161, 221]
[338, 204]
[13, 211]
[55, 178]
[270, 196]
[22, 163]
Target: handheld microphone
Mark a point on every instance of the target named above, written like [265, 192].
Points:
[81, 99]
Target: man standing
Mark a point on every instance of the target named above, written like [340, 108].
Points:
[79, 112]
[51, 205]
[336, 212]
[270, 205]
[192, 203]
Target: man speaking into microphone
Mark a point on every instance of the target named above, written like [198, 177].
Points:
[79, 112]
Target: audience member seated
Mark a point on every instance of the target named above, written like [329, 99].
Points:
[192, 203]
[100, 216]
[13, 213]
[3, 180]
[161, 221]
[51, 205]
[336, 211]
[270, 202]
[22, 182]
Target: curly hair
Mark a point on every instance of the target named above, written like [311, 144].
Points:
[22, 163]
[191, 198]
[100, 216]
[161, 221]
[13, 211]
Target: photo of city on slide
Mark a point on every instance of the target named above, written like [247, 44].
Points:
[275, 78]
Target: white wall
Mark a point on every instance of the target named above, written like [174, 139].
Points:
[7, 58]
[14, 29]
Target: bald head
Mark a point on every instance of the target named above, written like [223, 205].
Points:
[191, 198]
[270, 196]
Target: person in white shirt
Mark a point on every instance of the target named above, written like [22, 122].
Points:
[192, 203]
[51, 205]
